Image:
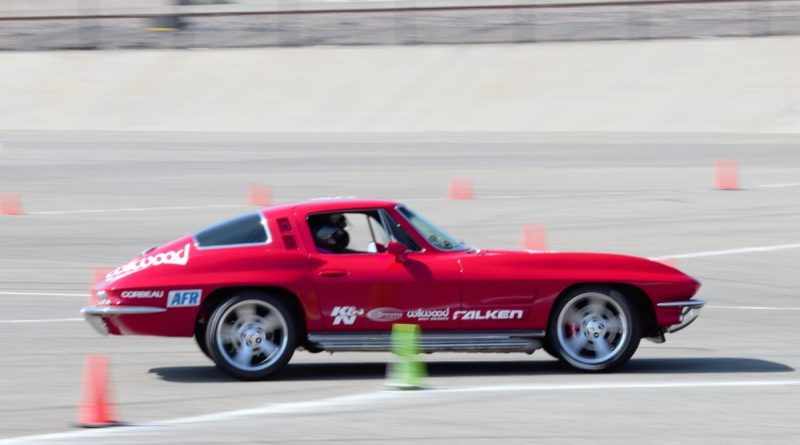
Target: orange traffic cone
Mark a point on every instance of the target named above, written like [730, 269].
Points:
[534, 237]
[460, 188]
[726, 175]
[10, 204]
[97, 409]
[260, 195]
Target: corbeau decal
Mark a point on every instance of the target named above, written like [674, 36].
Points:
[345, 314]
[142, 294]
[176, 257]
[385, 314]
[184, 298]
[429, 314]
[492, 314]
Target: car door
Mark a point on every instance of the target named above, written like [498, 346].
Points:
[365, 288]
[498, 291]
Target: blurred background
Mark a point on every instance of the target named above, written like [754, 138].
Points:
[667, 129]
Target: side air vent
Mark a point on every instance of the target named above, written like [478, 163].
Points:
[289, 242]
[284, 225]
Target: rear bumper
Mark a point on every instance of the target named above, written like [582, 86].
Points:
[96, 315]
[689, 313]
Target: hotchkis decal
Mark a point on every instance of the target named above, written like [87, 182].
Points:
[142, 294]
[385, 314]
[176, 257]
[184, 298]
[429, 314]
[345, 314]
[491, 314]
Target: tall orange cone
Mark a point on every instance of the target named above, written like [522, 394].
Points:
[726, 174]
[10, 204]
[534, 237]
[97, 409]
[460, 188]
[260, 195]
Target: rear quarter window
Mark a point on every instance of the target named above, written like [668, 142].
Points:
[243, 230]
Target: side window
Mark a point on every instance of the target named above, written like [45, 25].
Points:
[241, 231]
[398, 234]
[348, 232]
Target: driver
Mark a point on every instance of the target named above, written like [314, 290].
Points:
[329, 232]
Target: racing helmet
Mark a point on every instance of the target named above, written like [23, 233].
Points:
[331, 233]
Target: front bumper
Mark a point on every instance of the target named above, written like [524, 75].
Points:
[689, 313]
[96, 315]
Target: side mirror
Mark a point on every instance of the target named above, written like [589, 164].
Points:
[398, 250]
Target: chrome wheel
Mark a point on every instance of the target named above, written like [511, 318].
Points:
[251, 338]
[595, 330]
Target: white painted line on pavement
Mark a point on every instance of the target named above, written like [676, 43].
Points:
[365, 398]
[730, 251]
[136, 209]
[778, 186]
[754, 308]
[621, 386]
[50, 320]
[42, 294]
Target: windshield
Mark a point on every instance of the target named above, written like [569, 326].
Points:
[436, 236]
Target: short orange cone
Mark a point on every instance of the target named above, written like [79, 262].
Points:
[10, 204]
[460, 188]
[97, 409]
[726, 174]
[260, 195]
[534, 237]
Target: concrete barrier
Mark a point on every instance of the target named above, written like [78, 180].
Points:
[707, 85]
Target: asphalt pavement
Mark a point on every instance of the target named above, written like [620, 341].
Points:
[584, 23]
[97, 199]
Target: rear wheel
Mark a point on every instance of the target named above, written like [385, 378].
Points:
[594, 329]
[251, 336]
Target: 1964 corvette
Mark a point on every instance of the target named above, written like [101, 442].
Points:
[335, 274]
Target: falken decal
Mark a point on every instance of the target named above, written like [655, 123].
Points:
[489, 314]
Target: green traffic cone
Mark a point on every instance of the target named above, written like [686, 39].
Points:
[406, 372]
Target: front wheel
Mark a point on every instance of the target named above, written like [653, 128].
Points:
[251, 336]
[594, 329]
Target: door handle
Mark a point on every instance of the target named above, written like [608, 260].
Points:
[333, 273]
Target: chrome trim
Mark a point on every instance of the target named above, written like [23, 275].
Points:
[94, 314]
[102, 311]
[690, 312]
[688, 303]
[522, 341]
[231, 246]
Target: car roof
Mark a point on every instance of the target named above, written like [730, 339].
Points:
[331, 204]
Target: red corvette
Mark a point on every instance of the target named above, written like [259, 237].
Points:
[335, 274]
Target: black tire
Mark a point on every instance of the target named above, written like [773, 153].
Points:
[594, 328]
[251, 336]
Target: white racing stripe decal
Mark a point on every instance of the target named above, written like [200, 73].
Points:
[384, 396]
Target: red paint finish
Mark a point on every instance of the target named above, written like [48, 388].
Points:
[439, 290]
